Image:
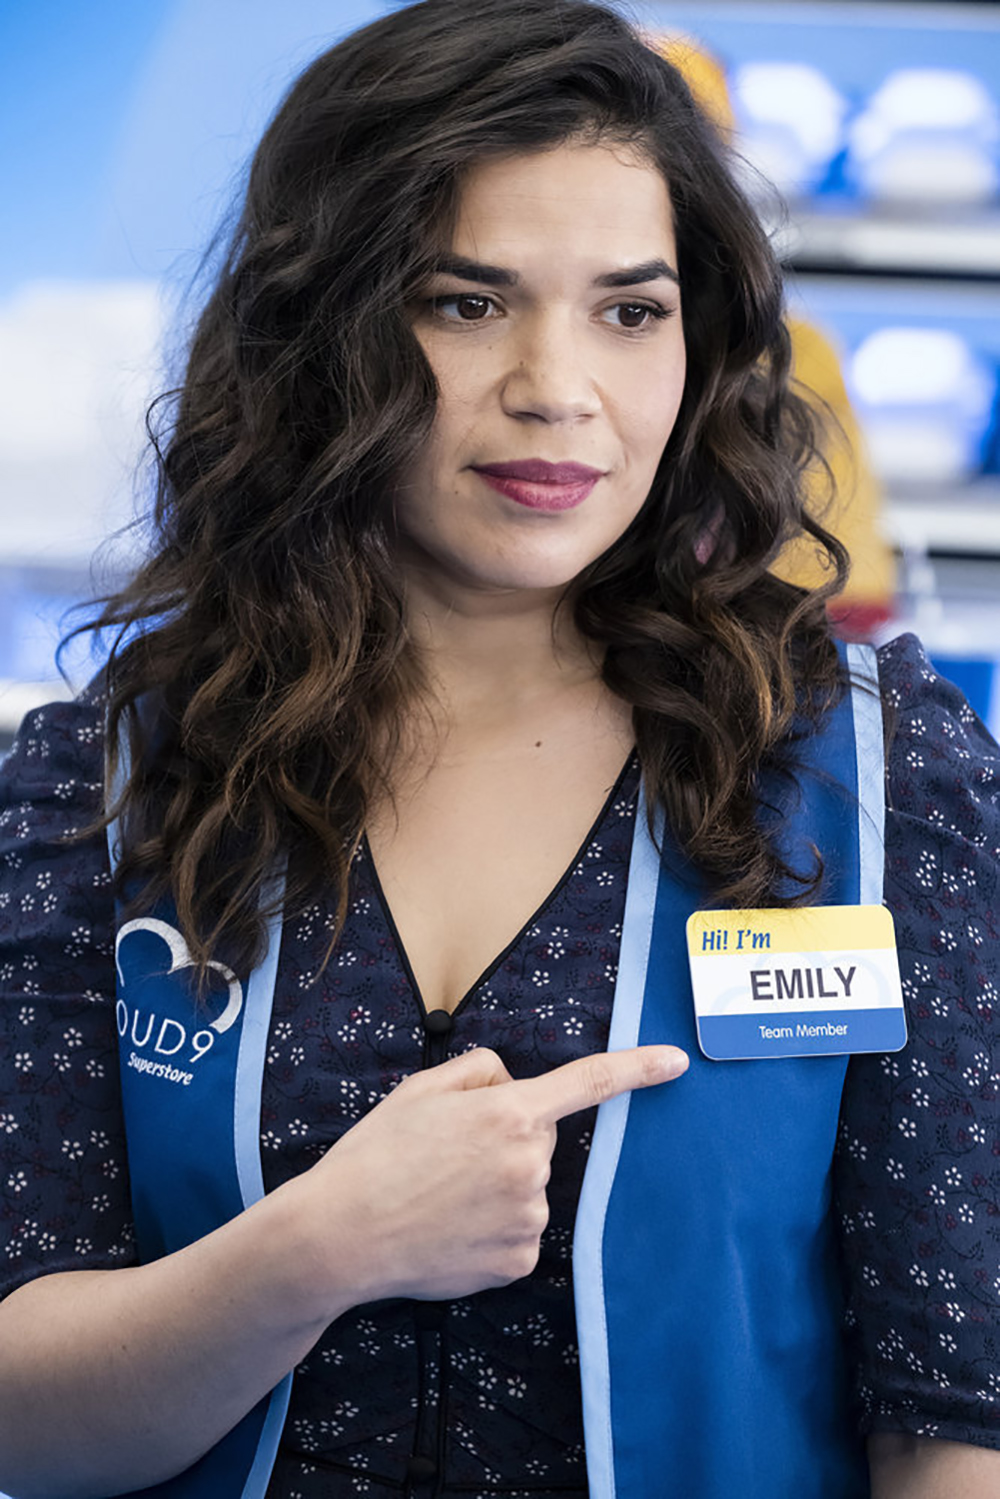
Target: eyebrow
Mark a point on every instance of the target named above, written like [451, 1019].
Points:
[635, 275]
[495, 275]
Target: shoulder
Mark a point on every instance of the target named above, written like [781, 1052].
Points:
[942, 853]
[917, 1177]
[57, 758]
[54, 873]
[62, 1150]
[943, 766]
[925, 706]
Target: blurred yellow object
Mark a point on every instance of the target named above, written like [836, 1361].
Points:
[704, 76]
[852, 512]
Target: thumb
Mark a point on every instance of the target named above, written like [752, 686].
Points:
[478, 1068]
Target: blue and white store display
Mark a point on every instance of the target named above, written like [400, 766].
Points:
[922, 365]
[856, 112]
[888, 114]
[881, 104]
[927, 135]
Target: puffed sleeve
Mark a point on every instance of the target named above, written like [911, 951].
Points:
[917, 1174]
[64, 1195]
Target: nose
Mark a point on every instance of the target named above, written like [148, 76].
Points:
[549, 378]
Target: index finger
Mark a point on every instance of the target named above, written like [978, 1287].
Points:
[594, 1079]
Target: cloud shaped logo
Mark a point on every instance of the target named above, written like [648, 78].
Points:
[180, 957]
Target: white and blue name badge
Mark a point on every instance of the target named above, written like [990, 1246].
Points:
[814, 981]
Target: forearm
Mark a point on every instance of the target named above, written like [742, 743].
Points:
[114, 1380]
[906, 1467]
[437, 1193]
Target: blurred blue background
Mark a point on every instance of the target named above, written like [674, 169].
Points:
[126, 129]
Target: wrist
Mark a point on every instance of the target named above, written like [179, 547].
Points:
[326, 1258]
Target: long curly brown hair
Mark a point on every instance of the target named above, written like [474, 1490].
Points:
[261, 653]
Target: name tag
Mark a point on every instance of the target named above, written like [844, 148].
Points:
[819, 981]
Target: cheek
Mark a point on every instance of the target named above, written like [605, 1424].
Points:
[455, 418]
[652, 420]
[671, 396]
[463, 367]
[653, 402]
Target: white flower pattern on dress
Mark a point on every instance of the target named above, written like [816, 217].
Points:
[923, 1335]
[916, 1174]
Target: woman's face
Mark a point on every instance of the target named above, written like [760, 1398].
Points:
[553, 327]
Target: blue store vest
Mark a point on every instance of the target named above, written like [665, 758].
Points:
[707, 1294]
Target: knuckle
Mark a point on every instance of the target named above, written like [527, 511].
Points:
[542, 1175]
[540, 1216]
[519, 1175]
[523, 1259]
[509, 1178]
[532, 1221]
[485, 1063]
[520, 1121]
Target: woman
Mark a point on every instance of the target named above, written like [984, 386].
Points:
[465, 517]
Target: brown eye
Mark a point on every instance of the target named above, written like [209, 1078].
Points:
[633, 314]
[635, 317]
[471, 309]
[467, 307]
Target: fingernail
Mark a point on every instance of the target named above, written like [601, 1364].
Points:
[674, 1062]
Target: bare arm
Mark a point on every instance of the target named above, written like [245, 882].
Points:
[438, 1192]
[141, 1370]
[905, 1467]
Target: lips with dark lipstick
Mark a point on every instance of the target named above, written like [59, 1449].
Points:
[539, 485]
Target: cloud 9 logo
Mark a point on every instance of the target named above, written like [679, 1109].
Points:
[160, 1041]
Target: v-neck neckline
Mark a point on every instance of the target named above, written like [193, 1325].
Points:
[631, 763]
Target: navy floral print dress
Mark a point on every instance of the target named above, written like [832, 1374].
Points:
[480, 1396]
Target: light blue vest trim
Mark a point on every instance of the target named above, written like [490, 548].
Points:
[171, 1209]
[866, 702]
[626, 1131]
[253, 1049]
[629, 1217]
[270, 1439]
[609, 1131]
[246, 1141]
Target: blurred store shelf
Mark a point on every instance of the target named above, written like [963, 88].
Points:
[961, 522]
[874, 243]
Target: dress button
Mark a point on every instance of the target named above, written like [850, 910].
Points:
[421, 1469]
[438, 1023]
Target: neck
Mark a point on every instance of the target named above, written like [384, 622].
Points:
[501, 647]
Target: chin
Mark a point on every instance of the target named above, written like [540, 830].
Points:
[481, 566]
[539, 578]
